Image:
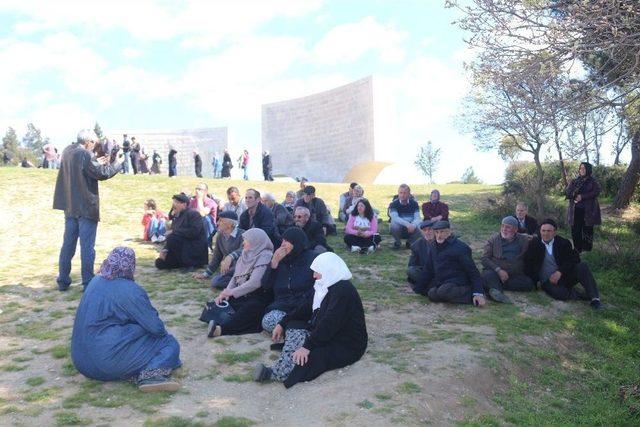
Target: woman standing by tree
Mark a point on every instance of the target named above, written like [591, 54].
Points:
[584, 209]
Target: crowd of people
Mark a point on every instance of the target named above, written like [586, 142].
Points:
[273, 270]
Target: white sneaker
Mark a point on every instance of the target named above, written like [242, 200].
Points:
[371, 249]
[161, 239]
[355, 248]
[154, 238]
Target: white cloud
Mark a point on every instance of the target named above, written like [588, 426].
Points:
[131, 53]
[347, 43]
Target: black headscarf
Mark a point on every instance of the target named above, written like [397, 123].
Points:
[298, 239]
[588, 167]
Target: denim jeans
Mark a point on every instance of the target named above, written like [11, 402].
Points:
[157, 227]
[85, 229]
[127, 162]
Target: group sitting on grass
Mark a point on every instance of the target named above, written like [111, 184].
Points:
[275, 272]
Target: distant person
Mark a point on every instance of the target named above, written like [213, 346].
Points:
[117, 333]
[154, 223]
[303, 184]
[258, 215]
[6, 158]
[289, 201]
[283, 218]
[342, 216]
[135, 155]
[126, 149]
[584, 210]
[316, 239]
[227, 165]
[25, 163]
[326, 331]
[156, 161]
[144, 157]
[503, 262]
[243, 161]
[361, 232]
[420, 268]
[76, 194]
[405, 218]
[186, 245]
[551, 260]
[50, 155]
[225, 252]
[455, 277]
[235, 202]
[434, 209]
[173, 163]
[216, 164]
[197, 162]
[267, 166]
[526, 224]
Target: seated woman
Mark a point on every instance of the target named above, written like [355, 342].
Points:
[361, 231]
[117, 334]
[154, 222]
[326, 332]
[244, 292]
[290, 201]
[289, 277]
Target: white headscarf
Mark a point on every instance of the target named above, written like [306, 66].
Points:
[333, 270]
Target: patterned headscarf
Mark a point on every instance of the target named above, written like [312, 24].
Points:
[120, 264]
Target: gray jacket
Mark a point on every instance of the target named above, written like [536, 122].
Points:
[492, 256]
[231, 245]
[77, 185]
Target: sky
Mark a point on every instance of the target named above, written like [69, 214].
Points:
[167, 64]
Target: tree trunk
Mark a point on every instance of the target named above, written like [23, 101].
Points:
[631, 176]
[539, 184]
[562, 166]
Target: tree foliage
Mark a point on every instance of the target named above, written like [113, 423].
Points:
[427, 160]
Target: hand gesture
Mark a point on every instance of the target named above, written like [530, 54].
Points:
[301, 356]
[479, 300]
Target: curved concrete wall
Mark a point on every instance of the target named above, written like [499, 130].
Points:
[322, 136]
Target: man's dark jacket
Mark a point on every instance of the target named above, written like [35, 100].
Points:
[315, 235]
[566, 258]
[188, 237]
[77, 185]
[530, 225]
[262, 219]
[452, 263]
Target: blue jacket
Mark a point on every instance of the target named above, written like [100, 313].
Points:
[292, 282]
[452, 263]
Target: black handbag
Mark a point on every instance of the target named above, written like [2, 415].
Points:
[222, 313]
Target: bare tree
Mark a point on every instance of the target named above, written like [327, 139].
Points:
[427, 160]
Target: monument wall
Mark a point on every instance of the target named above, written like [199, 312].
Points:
[206, 140]
[321, 136]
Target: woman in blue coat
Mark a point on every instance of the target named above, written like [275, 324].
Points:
[118, 335]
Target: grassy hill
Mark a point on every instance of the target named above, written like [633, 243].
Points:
[537, 362]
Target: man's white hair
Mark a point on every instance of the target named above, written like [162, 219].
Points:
[305, 211]
[86, 135]
[269, 196]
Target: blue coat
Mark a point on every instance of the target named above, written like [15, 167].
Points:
[452, 263]
[117, 333]
[292, 282]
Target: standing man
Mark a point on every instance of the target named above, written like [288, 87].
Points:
[126, 149]
[173, 163]
[135, 155]
[267, 166]
[76, 194]
[197, 161]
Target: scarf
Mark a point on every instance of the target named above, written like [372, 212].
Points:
[119, 264]
[333, 270]
[259, 253]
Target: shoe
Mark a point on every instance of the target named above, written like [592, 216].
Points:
[371, 249]
[154, 238]
[355, 249]
[261, 374]
[158, 383]
[498, 296]
[63, 288]
[277, 346]
[578, 296]
[596, 304]
[161, 239]
[407, 245]
[214, 329]
[396, 246]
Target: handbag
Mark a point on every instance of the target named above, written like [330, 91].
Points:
[222, 313]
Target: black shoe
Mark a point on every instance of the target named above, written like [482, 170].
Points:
[212, 329]
[596, 304]
[277, 346]
[158, 383]
[498, 296]
[261, 374]
[62, 287]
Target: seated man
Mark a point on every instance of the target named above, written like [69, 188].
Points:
[317, 208]
[207, 208]
[405, 217]
[186, 244]
[554, 262]
[455, 276]
[225, 253]
[526, 224]
[316, 239]
[283, 218]
[300, 192]
[342, 216]
[434, 209]
[258, 215]
[503, 262]
[235, 203]
[419, 262]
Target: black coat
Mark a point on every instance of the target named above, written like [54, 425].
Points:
[530, 225]
[283, 219]
[316, 207]
[291, 282]
[188, 239]
[198, 165]
[227, 164]
[338, 332]
[262, 219]
[451, 262]
[315, 235]
[173, 162]
[77, 183]
[566, 257]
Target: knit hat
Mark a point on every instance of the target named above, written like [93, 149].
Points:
[509, 220]
[441, 225]
[228, 215]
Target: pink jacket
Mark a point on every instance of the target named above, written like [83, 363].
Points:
[373, 228]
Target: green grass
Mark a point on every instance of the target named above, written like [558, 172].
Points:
[229, 357]
[35, 381]
[66, 418]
